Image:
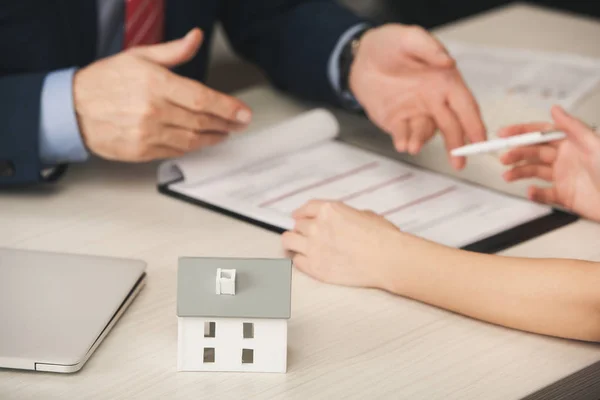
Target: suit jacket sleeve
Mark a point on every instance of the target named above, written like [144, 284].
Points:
[291, 40]
[19, 128]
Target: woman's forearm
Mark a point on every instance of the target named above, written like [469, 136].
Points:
[549, 296]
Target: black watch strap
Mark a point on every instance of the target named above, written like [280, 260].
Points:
[347, 58]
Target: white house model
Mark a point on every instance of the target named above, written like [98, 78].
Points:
[232, 314]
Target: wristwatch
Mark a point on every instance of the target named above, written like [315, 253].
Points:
[347, 56]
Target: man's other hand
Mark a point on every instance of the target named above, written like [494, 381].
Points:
[131, 107]
[409, 86]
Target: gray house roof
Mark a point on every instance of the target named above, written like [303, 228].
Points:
[263, 288]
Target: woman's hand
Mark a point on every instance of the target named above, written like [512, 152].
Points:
[337, 244]
[572, 164]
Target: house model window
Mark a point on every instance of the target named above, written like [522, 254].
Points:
[209, 355]
[225, 283]
[210, 329]
[247, 356]
[248, 330]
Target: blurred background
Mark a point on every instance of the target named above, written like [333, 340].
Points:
[228, 73]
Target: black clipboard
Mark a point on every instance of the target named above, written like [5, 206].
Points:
[493, 244]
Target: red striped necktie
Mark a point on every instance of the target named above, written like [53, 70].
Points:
[144, 22]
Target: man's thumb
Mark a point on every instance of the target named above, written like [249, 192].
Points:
[424, 47]
[175, 52]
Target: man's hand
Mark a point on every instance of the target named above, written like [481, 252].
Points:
[409, 86]
[335, 243]
[130, 107]
[572, 164]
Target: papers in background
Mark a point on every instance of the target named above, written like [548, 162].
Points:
[538, 79]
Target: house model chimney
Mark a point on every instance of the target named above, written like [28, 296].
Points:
[225, 281]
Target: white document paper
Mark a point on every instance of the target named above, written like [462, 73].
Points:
[540, 79]
[269, 189]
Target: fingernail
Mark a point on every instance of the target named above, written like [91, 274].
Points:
[244, 116]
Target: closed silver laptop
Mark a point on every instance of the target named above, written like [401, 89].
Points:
[55, 309]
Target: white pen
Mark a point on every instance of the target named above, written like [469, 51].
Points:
[526, 139]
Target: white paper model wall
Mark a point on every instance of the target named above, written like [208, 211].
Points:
[269, 345]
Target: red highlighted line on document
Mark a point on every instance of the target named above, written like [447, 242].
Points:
[320, 183]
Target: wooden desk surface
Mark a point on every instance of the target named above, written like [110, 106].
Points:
[343, 343]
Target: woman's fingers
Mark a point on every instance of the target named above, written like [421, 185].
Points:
[304, 226]
[540, 171]
[309, 210]
[543, 154]
[542, 195]
[300, 261]
[294, 242]
[520, 129]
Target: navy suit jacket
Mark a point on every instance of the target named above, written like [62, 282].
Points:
[291, 40]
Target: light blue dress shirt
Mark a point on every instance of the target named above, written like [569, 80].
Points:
[60, 140]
